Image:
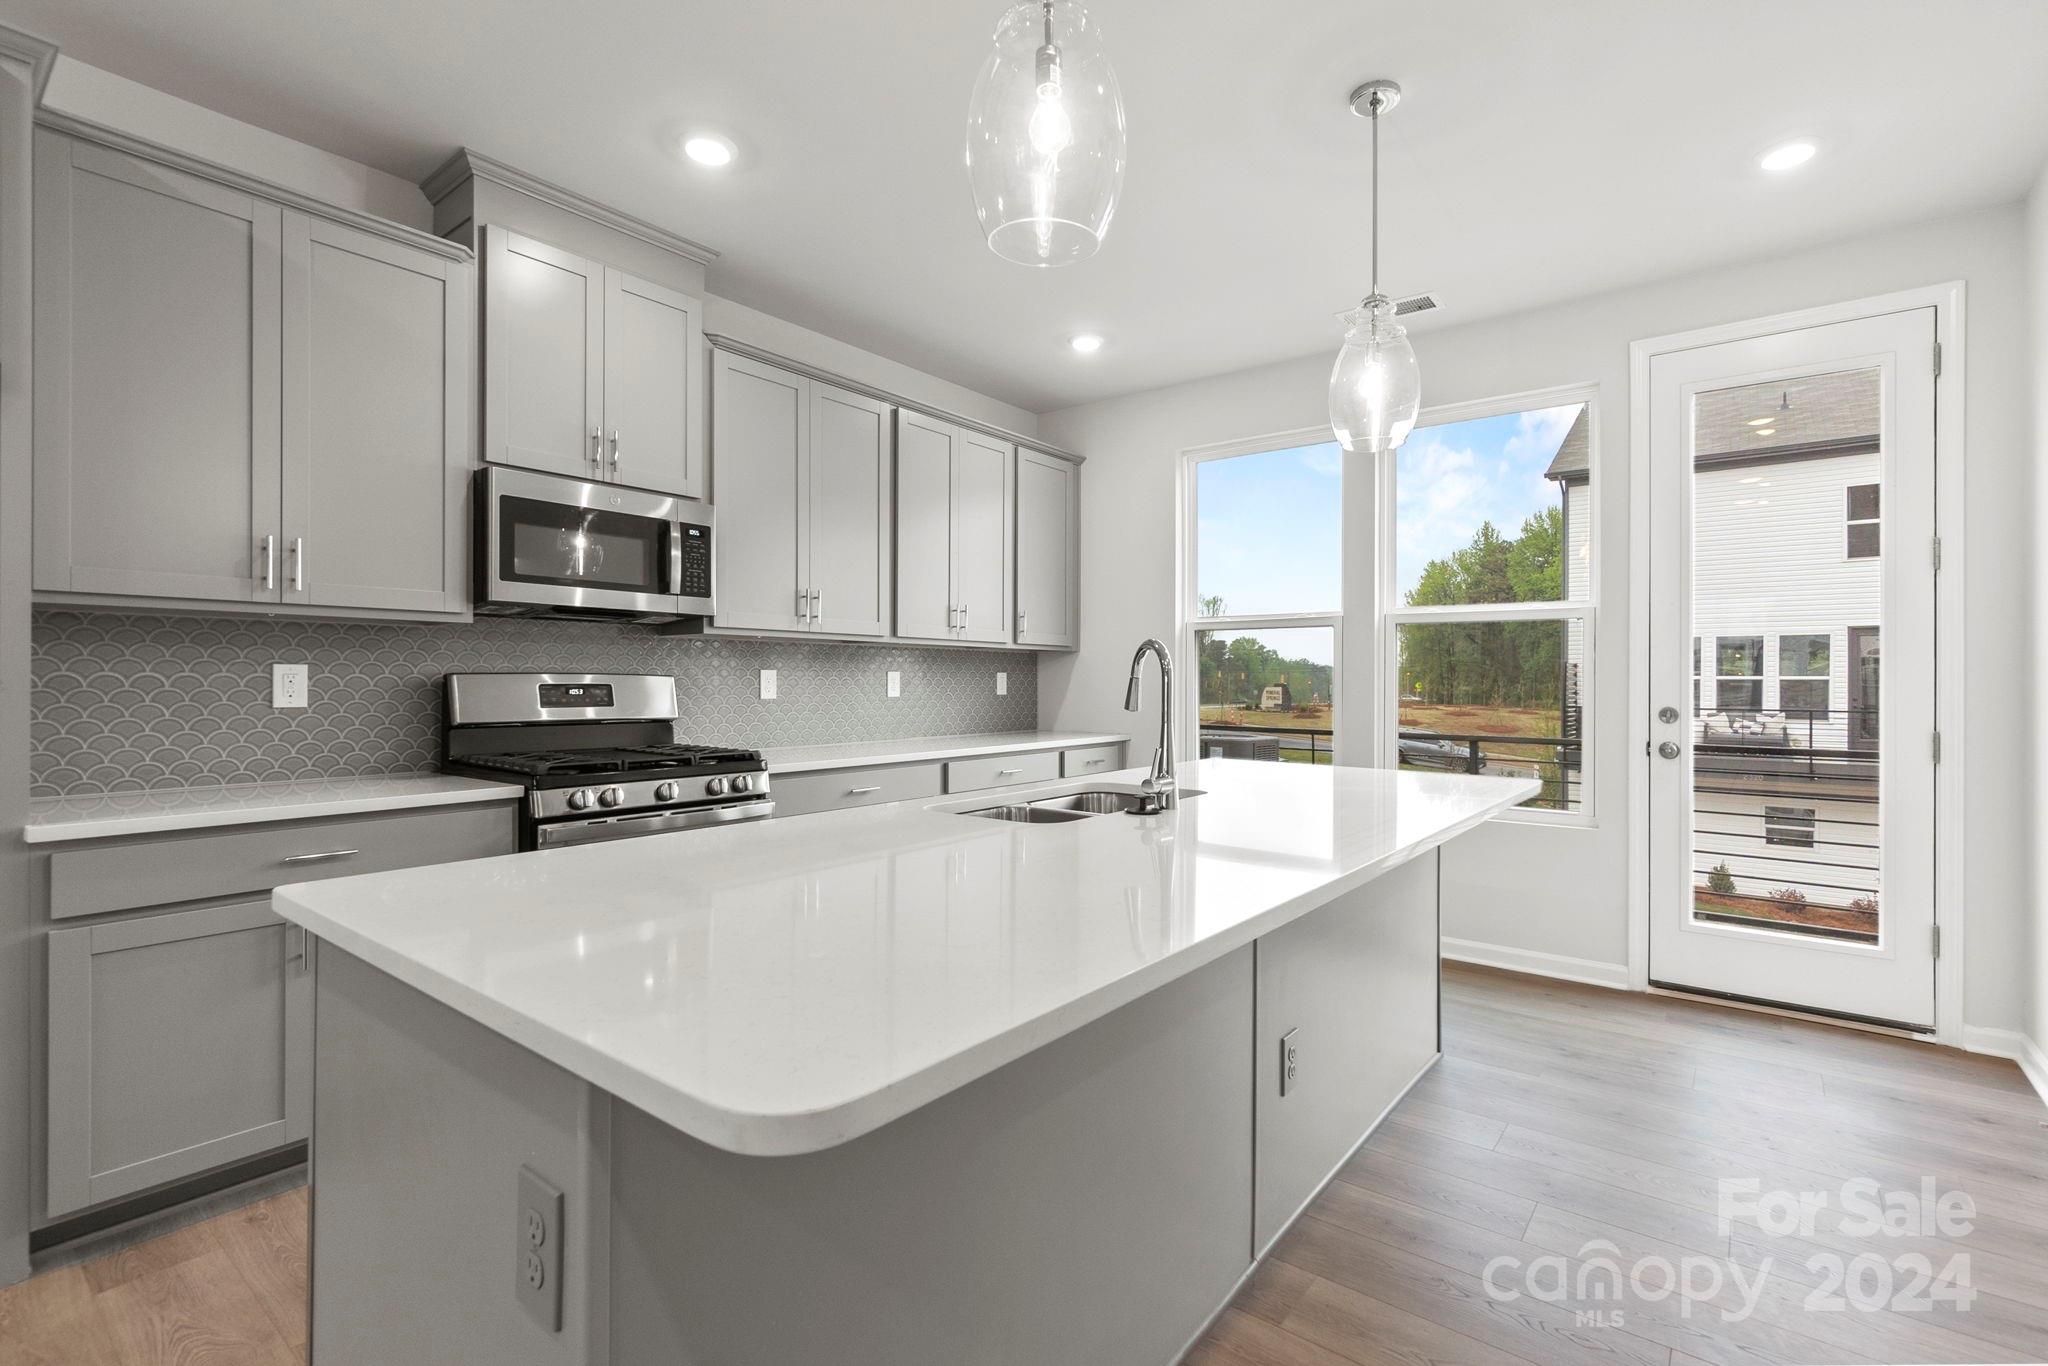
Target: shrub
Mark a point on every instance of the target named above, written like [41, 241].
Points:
[1789, 896]
[1721, 880]
[1867, 904]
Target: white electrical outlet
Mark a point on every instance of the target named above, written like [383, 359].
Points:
[287, 685]
[895, 683]
[767, 685]
[1002, 684]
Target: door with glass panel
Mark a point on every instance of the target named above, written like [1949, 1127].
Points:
[1792, 668]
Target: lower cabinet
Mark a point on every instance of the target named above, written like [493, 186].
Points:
[177, 1043]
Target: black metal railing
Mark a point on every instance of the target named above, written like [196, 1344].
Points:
[1285, 744]
[1459, 752]
[1751, 743]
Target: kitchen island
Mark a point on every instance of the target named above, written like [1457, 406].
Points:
[895, 1085]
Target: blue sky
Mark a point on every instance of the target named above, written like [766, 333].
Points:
[1269, 524]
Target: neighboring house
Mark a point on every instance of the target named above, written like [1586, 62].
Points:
[1787, 597]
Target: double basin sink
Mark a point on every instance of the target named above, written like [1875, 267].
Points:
[1072, 806]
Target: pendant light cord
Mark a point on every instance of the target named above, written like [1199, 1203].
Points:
[1375, 195]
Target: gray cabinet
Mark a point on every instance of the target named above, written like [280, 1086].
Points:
[1048, 550]
[176, 1043]
[953, 531]
[803, 502]
[241, 404]
[589, 371]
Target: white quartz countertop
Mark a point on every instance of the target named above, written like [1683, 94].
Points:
[106, 814]
[783, 986]
[814, 758]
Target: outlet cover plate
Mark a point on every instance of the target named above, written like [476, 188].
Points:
[767, 685]
[895, 683]
[288, 685]
[537, 1250]
[1002, 683]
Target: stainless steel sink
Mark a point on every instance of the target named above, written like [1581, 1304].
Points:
[1033, 815]
[1070, 806]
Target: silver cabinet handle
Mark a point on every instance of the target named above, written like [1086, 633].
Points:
[297, 957]
[597, 448]
[1094, 763]
[1008, 772]
[1023, 619]
[298, 564]
[269, 561]
[817, 604]
[615, 450]
[862, 791]
[966, 618]
[803, 605]
[320, 857]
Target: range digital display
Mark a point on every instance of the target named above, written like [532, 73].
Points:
[576, 694]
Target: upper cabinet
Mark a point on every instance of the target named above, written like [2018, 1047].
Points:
[238, 402]
[803, 502]
[1048, 549]
[589, 371]
[953, 542]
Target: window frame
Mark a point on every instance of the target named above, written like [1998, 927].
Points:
[1791, 827]
[1188, 591]
[1763, 664]
[1826, 679]
[1851, 522]
[1390, 614]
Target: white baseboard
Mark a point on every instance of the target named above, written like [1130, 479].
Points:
[1587, 970]
[2010, 1043]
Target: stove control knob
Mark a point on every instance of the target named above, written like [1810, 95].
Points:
[742, 783]
[611, 796]
[581, 799]
[715, 787]
[667, 792]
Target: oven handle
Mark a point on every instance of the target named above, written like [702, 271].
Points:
[651, 823]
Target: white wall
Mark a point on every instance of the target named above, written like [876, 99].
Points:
[1556, 891]
[2036, 946]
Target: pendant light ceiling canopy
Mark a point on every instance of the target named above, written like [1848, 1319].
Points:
[1376, 385]
[1045, 136]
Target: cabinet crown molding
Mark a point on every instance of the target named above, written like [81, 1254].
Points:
[467, 164]
[38, 54]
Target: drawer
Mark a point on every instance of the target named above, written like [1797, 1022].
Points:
[1095, 759]
[157, 872]
[1002, 770]
[798, 794]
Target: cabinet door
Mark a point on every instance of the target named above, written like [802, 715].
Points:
[924, 527]
[176, 1043]
[982, 553]
[156, 389]
[850, 570]
[761, 419]
[543, 356]
[1047, 549]
[650, 386]
[376, 449]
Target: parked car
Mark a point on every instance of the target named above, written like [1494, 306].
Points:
[1447, 755]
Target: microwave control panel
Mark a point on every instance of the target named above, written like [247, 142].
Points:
[696, 559]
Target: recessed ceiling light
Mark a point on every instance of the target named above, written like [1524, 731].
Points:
[1765, 431]
[1786, 155]
[1760, 422]
[1087, 343]
[708, 149]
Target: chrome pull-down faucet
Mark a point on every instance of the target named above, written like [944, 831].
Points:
[1159, 785]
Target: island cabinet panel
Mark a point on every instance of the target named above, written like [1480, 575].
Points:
[176, 1043]
[1352, 989]
[1048, 550]
[1085, 1203]
[157, 343]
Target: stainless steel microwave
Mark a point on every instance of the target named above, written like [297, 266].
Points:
[547, 545]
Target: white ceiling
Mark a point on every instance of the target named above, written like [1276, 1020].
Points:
[1543, 150]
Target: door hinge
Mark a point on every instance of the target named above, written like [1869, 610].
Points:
[1937, 747]
[1937, 941]
[1937, 360]
[1937, 554]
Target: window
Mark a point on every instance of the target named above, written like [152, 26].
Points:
[1791, 826]
[1267, 585]
[1804, 674]
[1695, 675]
[1488, 509]
[1739, 674]
[1865, 540]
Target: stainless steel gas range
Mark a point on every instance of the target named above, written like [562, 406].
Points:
[597, 755]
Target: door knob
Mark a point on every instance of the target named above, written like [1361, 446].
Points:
[1669, 749]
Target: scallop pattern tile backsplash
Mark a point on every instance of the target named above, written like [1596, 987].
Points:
[128, 702]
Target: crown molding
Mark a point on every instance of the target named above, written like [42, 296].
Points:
[467, 164]
[38, 54]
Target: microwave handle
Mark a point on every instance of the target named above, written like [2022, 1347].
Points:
[675, 558]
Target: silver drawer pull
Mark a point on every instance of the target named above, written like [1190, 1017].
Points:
[1008, 772]
[861, 791]
[321, 857]
[1094, 762]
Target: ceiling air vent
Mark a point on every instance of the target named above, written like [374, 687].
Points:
[1416, 303]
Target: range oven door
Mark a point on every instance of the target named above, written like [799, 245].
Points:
[550, 545]
[560, 833]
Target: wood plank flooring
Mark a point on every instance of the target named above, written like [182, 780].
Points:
[1565, 1124]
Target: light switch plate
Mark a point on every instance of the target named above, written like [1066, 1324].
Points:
[1002, 684]
[287, 685]
[767, 685]
[537, 1250]
[895, 683]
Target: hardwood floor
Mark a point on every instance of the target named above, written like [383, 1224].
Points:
[1565, 1124]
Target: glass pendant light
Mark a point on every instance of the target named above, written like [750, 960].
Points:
[1045, 136]
[1375, 386]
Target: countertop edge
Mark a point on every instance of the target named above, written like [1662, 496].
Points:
[85, 829]
[792, 1134]
[937, 747]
